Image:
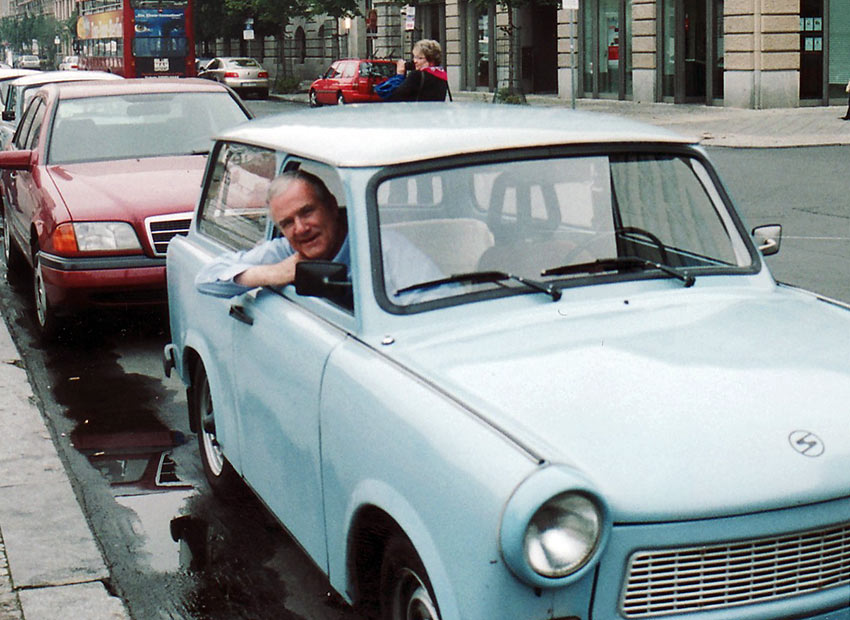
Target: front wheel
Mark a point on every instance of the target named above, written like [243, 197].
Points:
[340, 99]
[221, 476]
[45, 315]
[406, 592]
[314, 99]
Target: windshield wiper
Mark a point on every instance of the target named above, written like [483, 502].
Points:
[623, 262]
[477, 277]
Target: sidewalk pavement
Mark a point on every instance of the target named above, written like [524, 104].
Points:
[50, 565]
[710, 125]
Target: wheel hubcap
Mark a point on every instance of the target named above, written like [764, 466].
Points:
[6, 239]
[412, 600]
[40, 295]
[211, 447]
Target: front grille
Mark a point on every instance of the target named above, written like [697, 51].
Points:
[675, 581]
[162, 228]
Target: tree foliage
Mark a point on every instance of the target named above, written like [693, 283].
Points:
[226, 18]
[18, 32]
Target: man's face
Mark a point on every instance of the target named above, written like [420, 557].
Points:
[311, 227]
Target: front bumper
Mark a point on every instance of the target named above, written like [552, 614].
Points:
[111, 281]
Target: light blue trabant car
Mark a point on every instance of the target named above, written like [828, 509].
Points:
[598, 405]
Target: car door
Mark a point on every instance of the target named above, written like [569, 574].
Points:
[212, 70]
[347, 79]
[327, 87]
[22, 192]
[282, 343]
[232, 217]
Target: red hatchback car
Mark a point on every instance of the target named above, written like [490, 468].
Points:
[99, 176]
[350, 81]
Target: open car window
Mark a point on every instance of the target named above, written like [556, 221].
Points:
[234, 209]
[526, 217]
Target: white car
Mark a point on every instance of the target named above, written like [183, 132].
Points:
[70, 63]
[28, 61]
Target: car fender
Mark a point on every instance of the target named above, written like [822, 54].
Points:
[393, 441]
[219, 379]
[379, 494]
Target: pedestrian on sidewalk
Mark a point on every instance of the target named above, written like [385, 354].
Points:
[426, 80]
[846, 116]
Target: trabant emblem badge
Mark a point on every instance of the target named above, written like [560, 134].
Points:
[806, 443]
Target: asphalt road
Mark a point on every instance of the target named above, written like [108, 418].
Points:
[121, 422]
[804, 190]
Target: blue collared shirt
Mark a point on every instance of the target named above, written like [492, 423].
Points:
[404, 264]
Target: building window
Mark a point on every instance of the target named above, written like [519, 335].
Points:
[300, 46]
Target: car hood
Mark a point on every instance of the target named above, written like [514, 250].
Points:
[684, 405]
[129, 189]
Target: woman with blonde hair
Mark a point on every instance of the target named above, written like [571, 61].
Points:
[427, 81]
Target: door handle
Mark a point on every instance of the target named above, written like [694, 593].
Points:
[238, 313]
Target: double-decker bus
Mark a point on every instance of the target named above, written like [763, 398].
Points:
[136, 38]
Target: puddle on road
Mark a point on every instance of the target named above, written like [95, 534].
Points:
[174, 551]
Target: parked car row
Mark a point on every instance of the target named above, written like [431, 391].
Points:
[99, 175]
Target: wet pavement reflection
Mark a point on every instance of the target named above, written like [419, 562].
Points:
[173, 549]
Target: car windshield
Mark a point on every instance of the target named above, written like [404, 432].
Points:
[546, 224]
[139, 125]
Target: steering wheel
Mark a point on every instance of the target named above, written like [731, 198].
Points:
[619, 232]
[634, 230]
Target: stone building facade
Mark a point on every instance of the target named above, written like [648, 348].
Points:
[737, 53]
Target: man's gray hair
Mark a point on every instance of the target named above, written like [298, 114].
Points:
[281, 182]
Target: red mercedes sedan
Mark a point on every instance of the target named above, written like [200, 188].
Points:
[99, 176]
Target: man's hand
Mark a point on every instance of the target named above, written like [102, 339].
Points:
[276, 274]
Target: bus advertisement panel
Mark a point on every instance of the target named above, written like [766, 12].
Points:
[136, 38]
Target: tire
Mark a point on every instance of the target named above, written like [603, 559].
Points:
[314, 99]
[340, 98]
[219, 473]
[46, 321]
[405, 590]
[12, 255]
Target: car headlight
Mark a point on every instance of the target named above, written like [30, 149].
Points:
[554, 527]
[96, 237]
[562, 535]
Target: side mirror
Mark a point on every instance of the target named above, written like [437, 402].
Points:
[8, 115]
[18, 160]
[321, 278]
[767, 238]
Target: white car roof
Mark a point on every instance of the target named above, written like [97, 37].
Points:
[47, 77]
[381, 134]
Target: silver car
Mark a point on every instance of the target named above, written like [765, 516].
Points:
[242, 74]
[28, 61]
